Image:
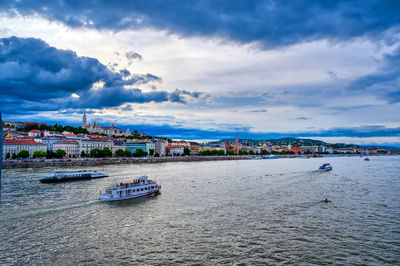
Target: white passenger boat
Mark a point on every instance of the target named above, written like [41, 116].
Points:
[64, 175]
[325, 167]
[139, 187]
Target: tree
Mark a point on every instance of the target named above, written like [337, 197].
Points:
[251, 152]
[167, 152]
[140, 153]
[128, 153]
[39, 154]
[14, 156]
[94, 153]
[186, 151]
[60, 153]
[8, 155]
[230, 152]
[107, 152]
[23, 154]
[120, 153]
[83, 154]
[151, 152]
[135, 131]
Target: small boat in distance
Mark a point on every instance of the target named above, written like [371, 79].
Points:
[72, 175]
[139, 187]
[325, 167]
[366, 159]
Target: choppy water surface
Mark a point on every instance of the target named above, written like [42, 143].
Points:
[250, 212]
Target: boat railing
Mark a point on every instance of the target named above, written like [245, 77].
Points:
[132, 184]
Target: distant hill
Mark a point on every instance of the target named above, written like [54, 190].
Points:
[280, 141]
[388, 148]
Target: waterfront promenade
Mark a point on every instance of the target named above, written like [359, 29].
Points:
[36, 163]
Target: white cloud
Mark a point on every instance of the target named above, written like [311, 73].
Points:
[304, 80]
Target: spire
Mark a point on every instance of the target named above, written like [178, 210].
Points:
[84, 119]
[236, 144]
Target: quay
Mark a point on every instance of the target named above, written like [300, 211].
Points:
[37, 163]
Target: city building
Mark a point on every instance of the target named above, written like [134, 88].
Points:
[309, 149]
[133, 146]
[71, 147]
[236, 149]
[34, 133]
[150, 146]
[118, 145]
[14, 146]
[159, 147]
[175, 150]
[110, 131]
[49, 141]
[194, 148]
[87, 145]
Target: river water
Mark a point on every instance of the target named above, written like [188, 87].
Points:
[218, 212]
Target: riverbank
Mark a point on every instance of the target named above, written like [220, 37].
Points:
[7, 164]
[38, 163]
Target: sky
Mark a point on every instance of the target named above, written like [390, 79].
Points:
[327, 70]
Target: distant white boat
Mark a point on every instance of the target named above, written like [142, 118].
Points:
[325, 167]
[71, 175]
[139, 187]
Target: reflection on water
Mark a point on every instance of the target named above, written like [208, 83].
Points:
[253, 212]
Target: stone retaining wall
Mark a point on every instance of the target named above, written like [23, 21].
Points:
[103, 161]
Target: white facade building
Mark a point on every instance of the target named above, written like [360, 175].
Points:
[71, 147]
[14, 146]
[87, 145]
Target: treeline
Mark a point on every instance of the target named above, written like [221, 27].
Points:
[57, 127]
[24, 154]
[222, 152]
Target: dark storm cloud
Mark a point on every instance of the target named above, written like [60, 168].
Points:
[258, 111]
[35, 76]
[133, 56]
[385, 82]
[271, 22]
[180, 96]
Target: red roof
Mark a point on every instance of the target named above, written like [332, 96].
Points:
[67, 142]
[22, 142]
[174, 146]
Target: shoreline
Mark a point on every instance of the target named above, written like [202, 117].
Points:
[40, 163]
[34, 163]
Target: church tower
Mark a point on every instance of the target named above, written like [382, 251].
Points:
[84, 119]
[236, 144]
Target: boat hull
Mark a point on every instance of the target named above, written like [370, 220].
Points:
[66, 179]
[107, 198]
[325, 170]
